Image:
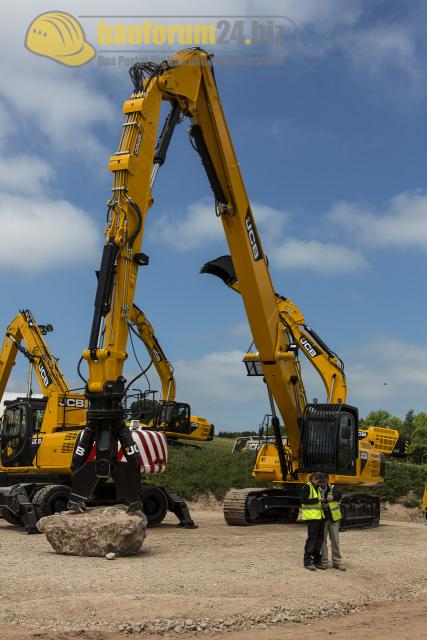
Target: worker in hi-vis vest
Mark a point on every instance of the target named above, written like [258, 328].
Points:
[331, 508]
[313, 515]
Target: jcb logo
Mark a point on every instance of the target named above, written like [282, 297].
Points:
[253, 237]
[46, 380]
[80, 451]
[132, 450]
[308, 347]
[156, 354]
[76, 403]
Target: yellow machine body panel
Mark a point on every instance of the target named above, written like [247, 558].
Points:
[368, 470]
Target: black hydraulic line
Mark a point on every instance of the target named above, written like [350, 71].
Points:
[79, 372]
[166, 134]
[30, 357]
[323, 345]
[278, 436]
[103, 292]
[196, 134]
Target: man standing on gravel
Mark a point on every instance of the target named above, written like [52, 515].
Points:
[331, 508]
[313, 515]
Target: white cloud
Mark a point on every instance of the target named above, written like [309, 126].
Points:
[390, 373]
[388, 54]
[38, 233]
[402, 224]
[240, 330]
[24, 174]
[60, 105]
[199, 225]
[217, 388]
[316, 256]
[196, 226]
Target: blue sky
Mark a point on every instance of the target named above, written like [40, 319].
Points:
[331, 145]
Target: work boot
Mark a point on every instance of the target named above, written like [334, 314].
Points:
[339, 567]
[310, 567]
[323, 567]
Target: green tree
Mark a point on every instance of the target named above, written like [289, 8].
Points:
[382, 418]
[408, 424]
[419, 439]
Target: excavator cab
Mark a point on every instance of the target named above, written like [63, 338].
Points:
[329, 439]
[174, 417]
[21, 421]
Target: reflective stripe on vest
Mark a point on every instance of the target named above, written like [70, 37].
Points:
[334, 506]
[312, 511]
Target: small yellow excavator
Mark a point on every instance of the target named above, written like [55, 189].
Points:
[38, 436]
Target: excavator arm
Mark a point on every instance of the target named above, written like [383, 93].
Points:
[25, 329]
[164, 368]
[328, 365]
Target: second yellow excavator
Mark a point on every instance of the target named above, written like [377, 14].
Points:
[173, 418]
[39, 435]
[326, 362]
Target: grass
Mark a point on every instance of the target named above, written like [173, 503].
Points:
[213, 469]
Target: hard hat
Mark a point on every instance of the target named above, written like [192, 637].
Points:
[59, 36]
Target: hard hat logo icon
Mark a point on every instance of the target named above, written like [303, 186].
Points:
[59, 36]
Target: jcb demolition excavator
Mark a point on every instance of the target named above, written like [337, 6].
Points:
[38, 435]
[326, 362]
[320, 436]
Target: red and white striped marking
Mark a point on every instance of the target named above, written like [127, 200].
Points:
[152, 447]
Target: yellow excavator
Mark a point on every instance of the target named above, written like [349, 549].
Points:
[320, 436]
[173, 418]
[38, 435]
[326, 362]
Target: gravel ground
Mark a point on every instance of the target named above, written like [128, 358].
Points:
[206, 581]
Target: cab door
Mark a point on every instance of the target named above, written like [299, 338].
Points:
[16, 436]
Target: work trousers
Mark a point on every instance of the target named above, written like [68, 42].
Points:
[314, 542]
[333, 530]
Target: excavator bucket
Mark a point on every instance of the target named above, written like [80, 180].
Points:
[221, 267]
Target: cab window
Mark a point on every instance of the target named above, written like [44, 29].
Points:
[346, 442]
[38, 415]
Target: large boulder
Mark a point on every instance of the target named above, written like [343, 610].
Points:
[96, 532]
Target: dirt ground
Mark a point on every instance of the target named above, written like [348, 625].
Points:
[217, 581]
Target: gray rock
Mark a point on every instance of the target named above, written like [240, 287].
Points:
[97, 532]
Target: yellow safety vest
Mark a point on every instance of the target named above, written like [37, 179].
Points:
[312, 511]
[334, 506]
